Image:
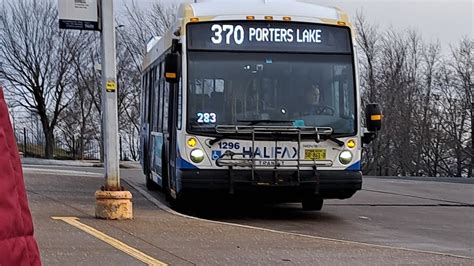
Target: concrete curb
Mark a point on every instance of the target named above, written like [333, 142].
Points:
[37, 161]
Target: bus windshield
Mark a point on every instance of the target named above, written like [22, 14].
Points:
[228, 88]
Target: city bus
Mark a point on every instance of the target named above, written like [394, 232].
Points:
[255, 98]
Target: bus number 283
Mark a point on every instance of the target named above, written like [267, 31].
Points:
[206, 118]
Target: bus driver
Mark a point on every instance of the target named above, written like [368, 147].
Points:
[313, 104]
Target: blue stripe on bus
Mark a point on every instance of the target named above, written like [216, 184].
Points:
[355, 167]
[183, 164]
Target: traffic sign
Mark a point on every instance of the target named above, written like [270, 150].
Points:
[78, 14]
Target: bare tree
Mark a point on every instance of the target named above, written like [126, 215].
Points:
[426, 100]
[77, 122]
[463, 60]
[136, 28]
[428, 137]
[367, 38]
[368, 43]
[143, 24]
[129, 97]
[451, 122]
[36, 59]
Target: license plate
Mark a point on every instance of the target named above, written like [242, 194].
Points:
[315, 154]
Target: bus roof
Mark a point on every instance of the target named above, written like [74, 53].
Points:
[298, 10]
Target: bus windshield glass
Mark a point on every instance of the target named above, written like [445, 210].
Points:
[307, 89]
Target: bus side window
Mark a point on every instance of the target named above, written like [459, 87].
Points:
[220, 85]
[180, 103]
[151, 98]
[156, 98]
[149, 92]
[160, 102]
[218, 97]
[198, 86]
[165, 96]
[345, 94]
[208, 86]
[144, 98]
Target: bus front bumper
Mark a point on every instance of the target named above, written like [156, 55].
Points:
[286, 185]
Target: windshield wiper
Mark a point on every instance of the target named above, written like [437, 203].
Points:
[262, 121]
[216, 139]
[333, 139]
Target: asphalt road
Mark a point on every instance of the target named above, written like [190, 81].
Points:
[406, 214]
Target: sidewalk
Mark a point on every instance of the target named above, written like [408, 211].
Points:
[77, 163]
[179, 240]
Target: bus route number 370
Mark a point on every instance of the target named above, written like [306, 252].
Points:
[227, 32]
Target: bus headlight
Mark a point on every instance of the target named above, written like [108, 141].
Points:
[197, 155]
[345, 157]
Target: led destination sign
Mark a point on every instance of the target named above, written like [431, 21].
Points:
[268, 36]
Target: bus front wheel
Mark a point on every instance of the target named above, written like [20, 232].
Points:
[150, 184]
[312, 204]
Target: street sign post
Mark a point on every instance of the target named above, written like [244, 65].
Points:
[111, 202]
[109, 97]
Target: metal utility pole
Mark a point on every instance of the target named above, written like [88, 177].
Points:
[109, 98]
[111, 202]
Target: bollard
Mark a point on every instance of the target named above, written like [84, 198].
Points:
[113, 205]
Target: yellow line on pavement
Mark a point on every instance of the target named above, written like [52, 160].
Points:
[111, 241]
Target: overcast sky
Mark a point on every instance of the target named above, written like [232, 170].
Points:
[446, 21]
[443, 20]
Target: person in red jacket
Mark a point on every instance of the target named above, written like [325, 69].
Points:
[17, 243]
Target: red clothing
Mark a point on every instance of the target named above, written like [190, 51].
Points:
[17, 243]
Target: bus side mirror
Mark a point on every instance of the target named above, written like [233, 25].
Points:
[172, 67]
[373, 119]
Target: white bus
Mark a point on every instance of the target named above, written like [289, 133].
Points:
[255, 98]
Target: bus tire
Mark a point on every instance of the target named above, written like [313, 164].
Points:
[150, 184]
[312, 203]
[177, 204]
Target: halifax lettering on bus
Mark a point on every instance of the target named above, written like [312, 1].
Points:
[270, 152]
